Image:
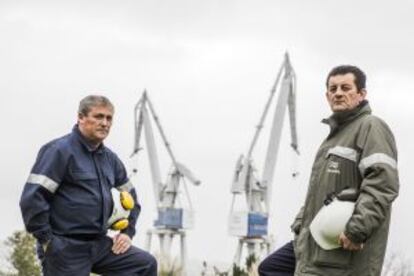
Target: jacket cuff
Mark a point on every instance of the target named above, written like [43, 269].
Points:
[43, 236]
[130, 231]
[295, 227]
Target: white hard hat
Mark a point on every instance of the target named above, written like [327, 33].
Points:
[330, 222]
[123, 203]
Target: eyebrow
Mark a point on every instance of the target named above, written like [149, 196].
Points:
[103, 115]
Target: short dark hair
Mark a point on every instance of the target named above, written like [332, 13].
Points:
[93, 100]
[360, 77]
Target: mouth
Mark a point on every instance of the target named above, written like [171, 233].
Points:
[104, 131]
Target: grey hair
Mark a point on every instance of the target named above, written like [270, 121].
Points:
[90, 101]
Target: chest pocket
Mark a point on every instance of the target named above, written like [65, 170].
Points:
[341, 168]
[79, 175]
[84, 179]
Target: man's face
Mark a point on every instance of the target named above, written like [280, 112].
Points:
[343, 93]
[96, 124]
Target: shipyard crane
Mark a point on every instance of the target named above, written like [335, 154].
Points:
[173, 219]
[250, 225]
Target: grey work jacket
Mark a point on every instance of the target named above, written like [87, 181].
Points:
[360, 153]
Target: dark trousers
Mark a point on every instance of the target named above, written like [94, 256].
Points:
[68, 257]
[280, 263]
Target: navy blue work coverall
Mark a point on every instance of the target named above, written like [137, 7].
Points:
[67, 202]
[282, 262]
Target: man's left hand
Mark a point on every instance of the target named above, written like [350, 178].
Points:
[347, 244]
[121, 243]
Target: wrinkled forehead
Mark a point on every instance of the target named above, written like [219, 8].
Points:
[341, 79]
[106, 109]
[102, 108]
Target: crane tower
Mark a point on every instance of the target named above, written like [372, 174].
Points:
[251, 224]
[173, 220]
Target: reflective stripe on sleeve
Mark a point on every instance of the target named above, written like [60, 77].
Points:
[377, 158]
[125, 187]
[43, 181]
[344, 152]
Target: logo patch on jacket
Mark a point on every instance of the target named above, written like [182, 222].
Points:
[333, 167]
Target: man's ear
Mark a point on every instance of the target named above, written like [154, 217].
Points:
[80, 117]
[363, 93]
[327, 97]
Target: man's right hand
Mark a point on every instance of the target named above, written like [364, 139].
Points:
[347, 244]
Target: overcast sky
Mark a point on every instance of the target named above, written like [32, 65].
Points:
[208, 67]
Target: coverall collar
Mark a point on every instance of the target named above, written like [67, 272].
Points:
[339, 119]
[85, 143]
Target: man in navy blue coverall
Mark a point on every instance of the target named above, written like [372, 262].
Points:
[67, 201]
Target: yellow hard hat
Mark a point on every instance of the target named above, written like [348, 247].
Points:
[122, 204]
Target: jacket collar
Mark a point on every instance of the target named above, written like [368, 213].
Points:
[340, 119]
[78, 135]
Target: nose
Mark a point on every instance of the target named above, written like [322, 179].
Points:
[105, 122]
[339, 92]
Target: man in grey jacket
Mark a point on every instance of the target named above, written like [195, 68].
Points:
[358, 153]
